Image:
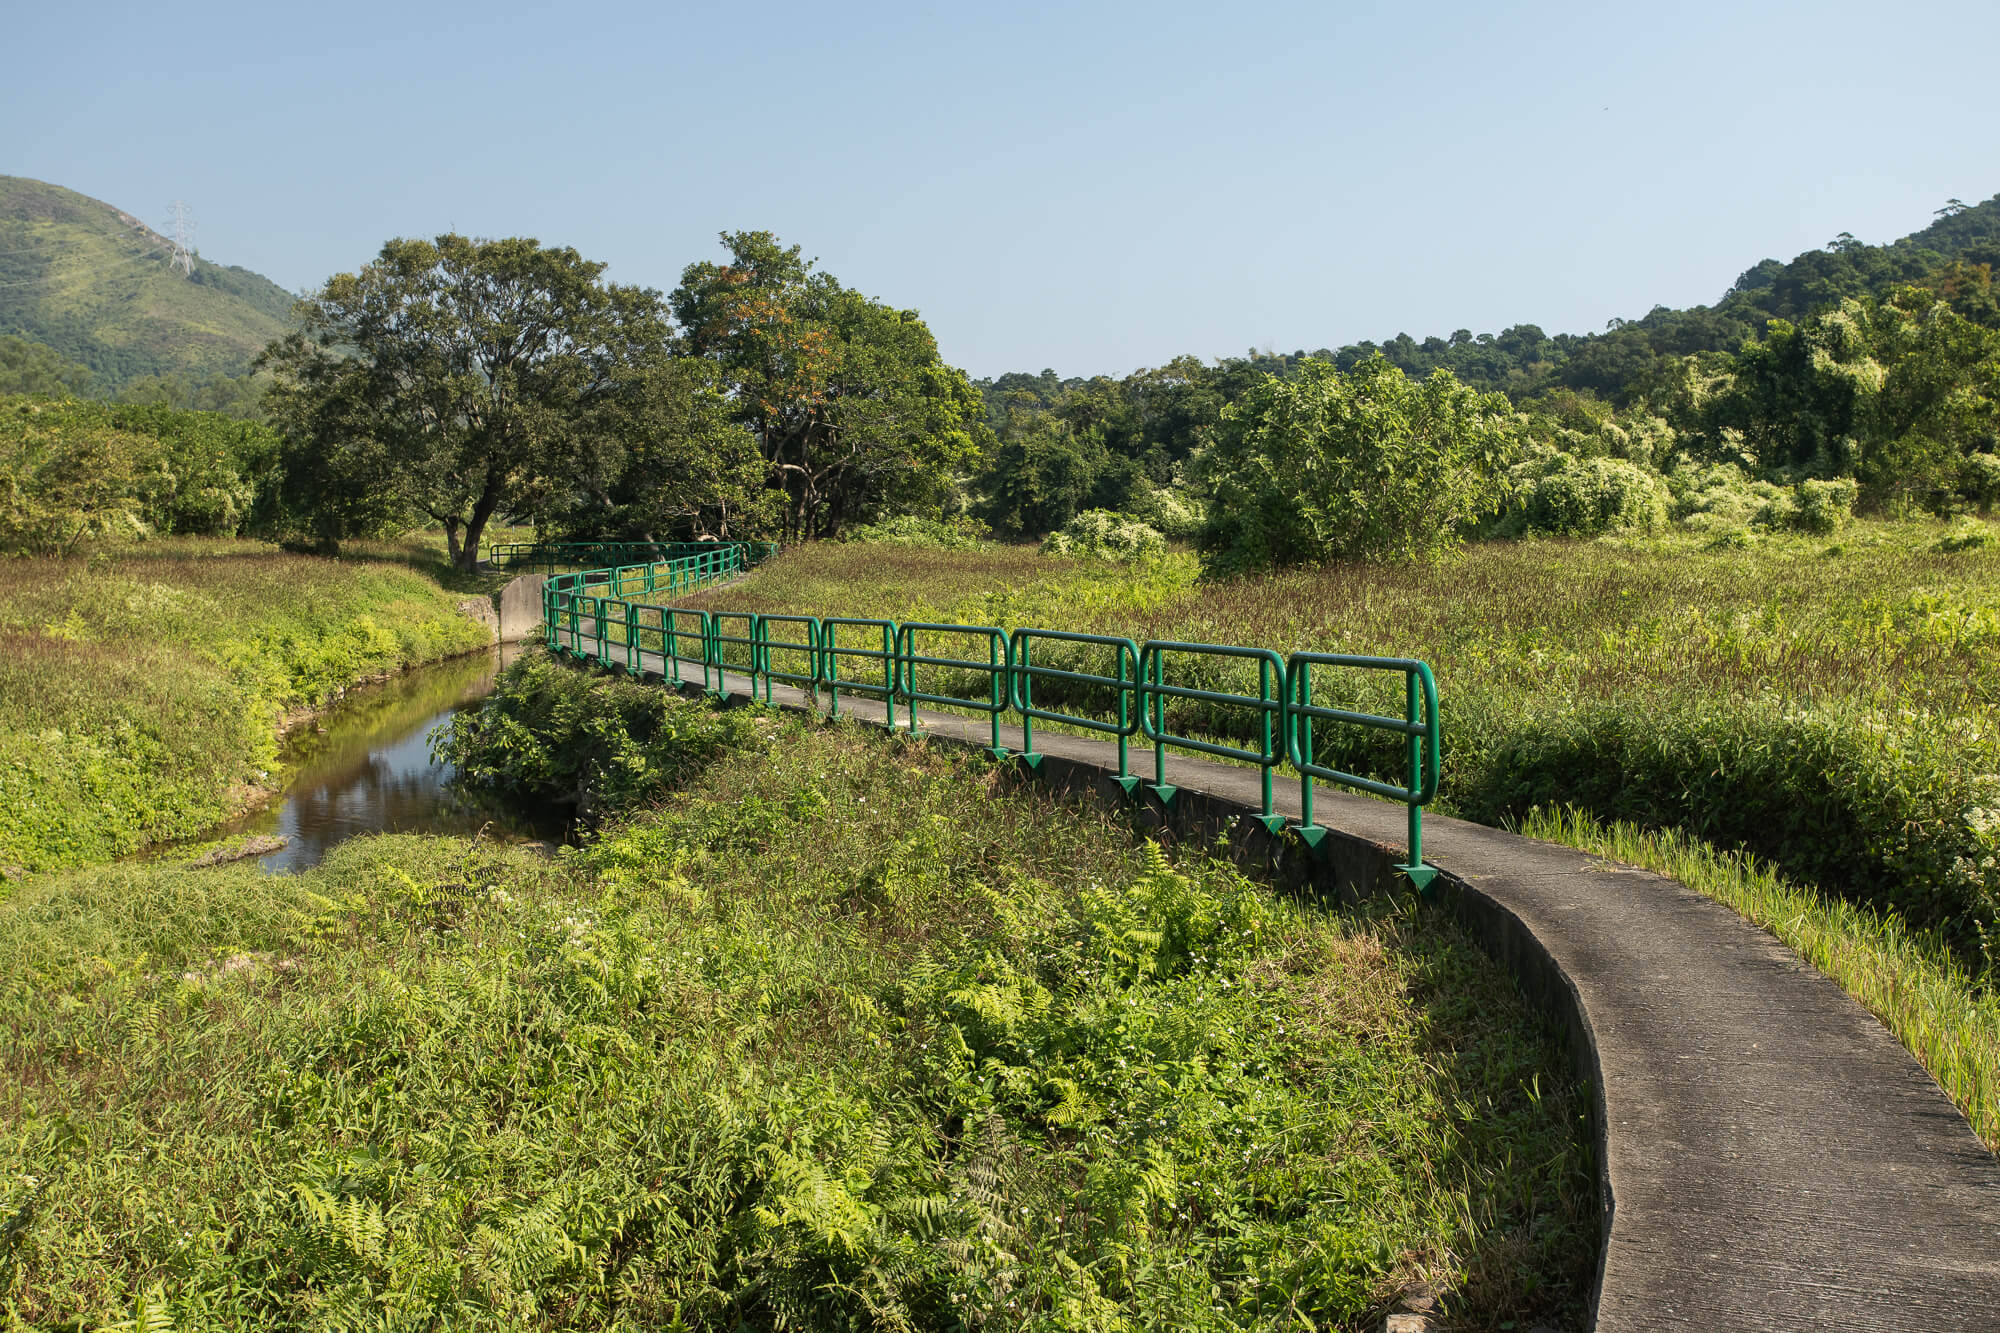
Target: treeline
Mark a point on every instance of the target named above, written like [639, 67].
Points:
[34, 368]
[453, 381]
[76, 471]
[1870, 375]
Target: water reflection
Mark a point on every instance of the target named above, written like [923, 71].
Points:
[367, 767]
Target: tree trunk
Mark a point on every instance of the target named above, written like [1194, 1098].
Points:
[475, 527]
[451, 541]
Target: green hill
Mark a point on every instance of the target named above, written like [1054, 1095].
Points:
[93, 283]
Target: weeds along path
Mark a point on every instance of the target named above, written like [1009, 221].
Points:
[1771, 1156]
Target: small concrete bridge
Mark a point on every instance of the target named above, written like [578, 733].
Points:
[1771, 1157]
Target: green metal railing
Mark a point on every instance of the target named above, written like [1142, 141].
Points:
[1168, 692]
[1124, 686]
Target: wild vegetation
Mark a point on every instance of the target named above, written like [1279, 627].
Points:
[844, 1034]
[76, 473]
[141, 691]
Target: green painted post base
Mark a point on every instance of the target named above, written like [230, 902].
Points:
[1273, 824]
[1312, 835]
[1164, 790]
[1032, 759]
[998, 751]
[1420, 877]
[1129, 782]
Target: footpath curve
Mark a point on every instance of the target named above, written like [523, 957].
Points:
[1770, 1156]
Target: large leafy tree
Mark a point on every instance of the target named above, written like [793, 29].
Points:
[673, 464]
[479, 371]
[1365, 465]
[854, 412]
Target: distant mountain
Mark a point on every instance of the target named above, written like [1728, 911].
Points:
[92, 282]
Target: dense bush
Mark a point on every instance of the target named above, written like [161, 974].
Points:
[953, 534]
[1893, 818]
[73, 471]
[1719, 496]
[595, 742]
[1364, 465]
[1821, 507]
[1177, 514]
[1099, 534]
[1561, 495]
[1979, 481]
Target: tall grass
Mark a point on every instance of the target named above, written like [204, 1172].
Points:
[140, 691]
[846, 1034]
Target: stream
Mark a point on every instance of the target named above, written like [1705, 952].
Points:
[365, 766]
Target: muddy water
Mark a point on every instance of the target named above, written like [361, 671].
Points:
[366, 767]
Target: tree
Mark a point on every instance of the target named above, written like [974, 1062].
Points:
[856, 415]
[672, 465]
[1039, 481]
[1367, 465]
[477, 371]
[332, 480]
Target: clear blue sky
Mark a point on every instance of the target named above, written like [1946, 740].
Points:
[1089, 187]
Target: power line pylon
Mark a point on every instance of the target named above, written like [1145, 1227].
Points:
[183, 256]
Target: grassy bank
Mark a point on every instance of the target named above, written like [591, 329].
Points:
[845, 1034]
[141, 689]
[1831, 705]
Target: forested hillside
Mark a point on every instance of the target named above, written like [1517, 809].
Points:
[1955, 255]
[92, 283]
[1871, 368]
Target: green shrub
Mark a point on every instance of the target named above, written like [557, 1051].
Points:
[1966, 537]
[551, 733]
[1561, 495]
[1367, 465]
[1177, 515]
[1099, 534]
[956, 534]
[1894, 818]
[1823, 507]
[1719, 497]
[1979, 480]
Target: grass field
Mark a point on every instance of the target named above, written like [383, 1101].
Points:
[846, 1034]
[141, 689]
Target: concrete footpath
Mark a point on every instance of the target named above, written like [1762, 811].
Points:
[1771, 1157]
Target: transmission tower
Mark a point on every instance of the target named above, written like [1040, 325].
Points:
[183, 256]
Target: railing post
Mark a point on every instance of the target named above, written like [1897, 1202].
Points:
[1420, 874]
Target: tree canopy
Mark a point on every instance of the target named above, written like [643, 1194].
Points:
[482, 372]
[856, 415]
